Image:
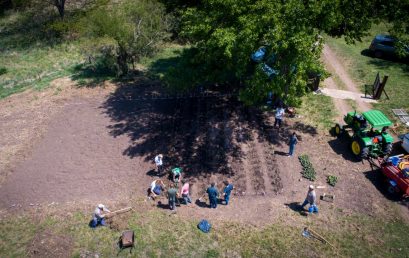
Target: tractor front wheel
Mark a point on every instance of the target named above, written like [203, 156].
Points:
[337, 130]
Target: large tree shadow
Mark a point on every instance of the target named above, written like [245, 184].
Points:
[199, 128]
[192, 133]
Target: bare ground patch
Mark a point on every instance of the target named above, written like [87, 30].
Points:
[24, 118]
[47, 244]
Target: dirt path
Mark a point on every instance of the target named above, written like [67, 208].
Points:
[333, 64]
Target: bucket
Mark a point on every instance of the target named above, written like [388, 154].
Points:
[394, 160]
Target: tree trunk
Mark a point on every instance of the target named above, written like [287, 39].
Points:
[122, 60]
[60, 4]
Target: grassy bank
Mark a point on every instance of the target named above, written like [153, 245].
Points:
[27, 59]
[159, 234]
[363, 68]
[317, 111]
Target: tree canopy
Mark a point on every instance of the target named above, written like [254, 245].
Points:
[224, 34]
[137, 28]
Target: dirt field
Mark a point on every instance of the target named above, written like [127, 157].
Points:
[97, 145]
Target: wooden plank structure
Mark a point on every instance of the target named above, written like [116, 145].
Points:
[375, 90]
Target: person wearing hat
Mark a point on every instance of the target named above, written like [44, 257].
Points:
[159, 163]
[311, 199]
[98, 216]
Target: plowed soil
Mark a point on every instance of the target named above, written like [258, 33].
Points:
[99, 148]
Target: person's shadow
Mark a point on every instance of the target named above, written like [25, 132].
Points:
[152, 173]
[163, 205]
[281, 153]
[295, 206]
[201, 203]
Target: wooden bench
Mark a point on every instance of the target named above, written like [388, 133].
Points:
[375, 90]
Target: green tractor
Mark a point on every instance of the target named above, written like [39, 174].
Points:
[367, 132]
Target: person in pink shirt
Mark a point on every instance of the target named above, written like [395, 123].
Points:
[185, 192]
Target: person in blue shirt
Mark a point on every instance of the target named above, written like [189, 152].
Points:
[227, 191]
[293, 141]
[213, 194]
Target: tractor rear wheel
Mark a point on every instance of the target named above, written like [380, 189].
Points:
[388, 149]
[356, 147]
[359, 149]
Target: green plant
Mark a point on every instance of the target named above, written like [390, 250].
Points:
[3, 70]
[308, 170]
[332, 180]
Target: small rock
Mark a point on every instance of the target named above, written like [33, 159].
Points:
[31, 204]
[300, 179]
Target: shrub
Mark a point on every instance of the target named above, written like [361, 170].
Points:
[3, 70]
[308, 170]
[332, 180]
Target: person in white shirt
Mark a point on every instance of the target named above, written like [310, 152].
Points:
[157, 186]
[279, 116]
[159, 163]
[98, 216]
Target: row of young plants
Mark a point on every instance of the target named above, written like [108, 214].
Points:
[309, 172]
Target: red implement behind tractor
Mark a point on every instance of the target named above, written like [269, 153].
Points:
[396, 169]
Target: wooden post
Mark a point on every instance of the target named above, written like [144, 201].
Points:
[381, 88]
[113, 213]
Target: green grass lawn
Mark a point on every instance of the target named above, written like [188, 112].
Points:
[317, 111]
[159, 234]
[363, 69]
[27, 59]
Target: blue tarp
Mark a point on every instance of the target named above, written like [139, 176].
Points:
[258, 55]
